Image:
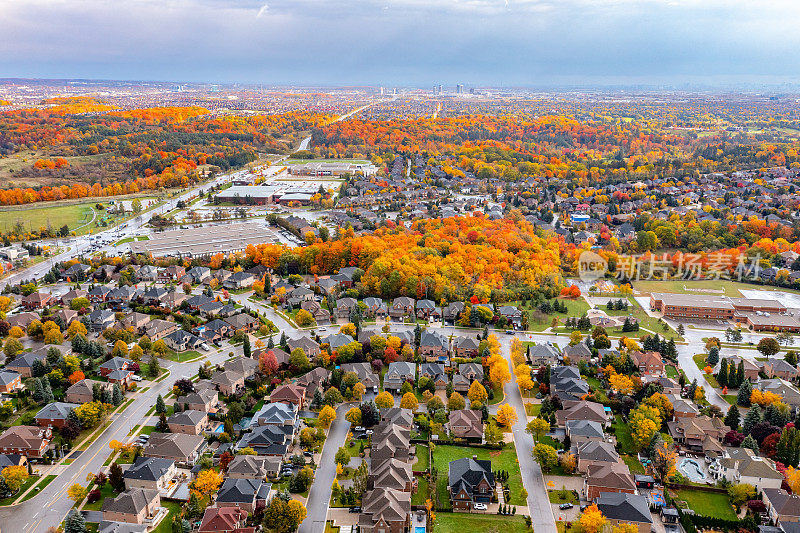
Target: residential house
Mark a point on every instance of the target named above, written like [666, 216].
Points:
[254, 467]
[188, 422]
[426, 309]
[385, 510]
[365, 373]
[10, 381]
[179, 447]
[391, 474]
[465, 347]
[181, 340]
[692, 432]
[402, 307]
[224, 520]
[113, 364]
[313, 380]
[609, 477]
[788, 392]
[576, 353]
[470, 481]
[375, 308]
[433, 346]
[101, 319]
[581, 410]
[742, 465]
[269, 440]
[202, 400]
[543, 354]
[512, 314]
[135, 506]
[398, 373]
[308, 345]
[30, 441]
[781, 506]
[280, 414]
[623, 508]
[36, 300]
[246, 494]
[779, 368]
[243, 322]
[452, 312]
[435, 372]
[466, 424]
[344, 306]
[241, 365]
[649, 363]
[321, 316]
[595, 453]
[150, 473]
[171, 273]
[580, 431]
[228, 382]
[157, 329]
[54, 414]
[289, 393]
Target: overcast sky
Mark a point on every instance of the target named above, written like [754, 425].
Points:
[403, 42]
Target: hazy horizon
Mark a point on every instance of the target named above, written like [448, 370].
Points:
[500, 43]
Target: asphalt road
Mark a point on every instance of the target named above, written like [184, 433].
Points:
[320, 494]
[49, 507]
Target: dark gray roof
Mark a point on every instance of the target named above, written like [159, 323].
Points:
[623, 506]
[148, 468]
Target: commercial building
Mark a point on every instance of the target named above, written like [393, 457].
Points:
[205, 241]
[758, 314]
[324, 168]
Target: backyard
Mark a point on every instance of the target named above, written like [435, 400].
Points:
[505, 459]
[712, 504]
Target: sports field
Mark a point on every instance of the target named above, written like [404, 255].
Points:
[37, 217]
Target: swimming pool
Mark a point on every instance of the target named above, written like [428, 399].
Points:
[691, 469]
[419, 529]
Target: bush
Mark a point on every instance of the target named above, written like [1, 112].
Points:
[93, 496]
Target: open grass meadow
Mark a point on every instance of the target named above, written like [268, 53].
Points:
[33, 218]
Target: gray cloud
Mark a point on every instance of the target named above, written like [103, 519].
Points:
[404, 42]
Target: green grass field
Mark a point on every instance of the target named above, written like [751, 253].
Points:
[562, 496]
[575, 308]
[479, 523]
[716, 505]
[422, 458]
[731, 288]
[624, 438]
[39, 216]
[505, 459]
[303, 161]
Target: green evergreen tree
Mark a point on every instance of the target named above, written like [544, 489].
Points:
[743, 396]
[722, 375]
[752, 418]
[160, 406]
[75, 523]
[732, 418]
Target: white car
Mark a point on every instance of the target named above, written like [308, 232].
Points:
[479, 506]
[136, 378]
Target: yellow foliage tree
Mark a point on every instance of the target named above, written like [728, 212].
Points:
[409, 401]
[14, 476]
[207, 482]
[326, 416]
[621, 383]
[477, 393]
[592, 520]
[506, 416]
[384, 400]
[625, 527]
[76, 492]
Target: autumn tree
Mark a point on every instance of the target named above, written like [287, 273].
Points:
[384, 400]
[326, 416]
[546, 456]
[537, 427]
[592, 520]
[207, 482]
[506, 415]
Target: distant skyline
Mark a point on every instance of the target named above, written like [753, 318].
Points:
[531, 43]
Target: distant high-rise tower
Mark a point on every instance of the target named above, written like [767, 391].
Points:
[441, 89]
[459, 89]
[383, 91]
[435, 90]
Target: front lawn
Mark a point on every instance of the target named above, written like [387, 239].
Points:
[479, 523]
[25, 486]
[505, 459]
[533, 409]
[712, 504]
[105, 492]
[563, 496]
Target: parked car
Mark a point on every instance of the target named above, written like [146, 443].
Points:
[136, 378]
[479, 506]
[355, 509]
[509, 332]
[566, 506]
